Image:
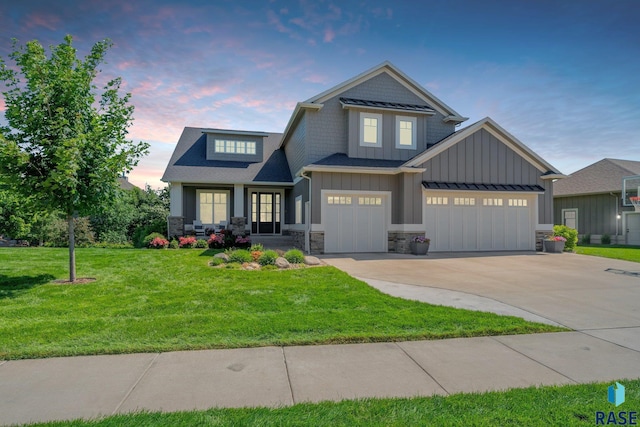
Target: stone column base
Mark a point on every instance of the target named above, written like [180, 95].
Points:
[176, 226]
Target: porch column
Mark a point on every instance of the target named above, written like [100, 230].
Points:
[238, 200]
[175, 196]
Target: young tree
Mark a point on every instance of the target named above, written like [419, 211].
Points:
[63, 147]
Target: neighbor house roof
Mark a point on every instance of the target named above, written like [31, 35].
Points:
[604, 176]
[189, 162]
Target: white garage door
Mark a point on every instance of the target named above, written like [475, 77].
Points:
[354, 223]
[489, 222]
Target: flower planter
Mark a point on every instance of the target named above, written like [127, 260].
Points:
[553, 246]
[419, 248]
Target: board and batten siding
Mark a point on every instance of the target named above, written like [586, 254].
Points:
[353, 182]
[596, 212]
[482, 159]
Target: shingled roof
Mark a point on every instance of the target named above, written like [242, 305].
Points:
[387, 105]
[189, 163]
[603, 176]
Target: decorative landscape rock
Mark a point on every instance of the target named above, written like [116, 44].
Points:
[311, 260]
[282, 263]
[222, 256]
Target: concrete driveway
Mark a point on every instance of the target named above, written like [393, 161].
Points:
[598, 296]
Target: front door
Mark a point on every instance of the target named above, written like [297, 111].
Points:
[265, 213]
[633, 229]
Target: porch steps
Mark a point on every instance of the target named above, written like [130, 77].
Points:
[273, 242]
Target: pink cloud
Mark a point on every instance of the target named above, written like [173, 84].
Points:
[146, 87]
[329, 35]
[315, 78]
[3, 106]
[49, 22]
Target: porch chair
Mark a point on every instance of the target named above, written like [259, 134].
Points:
[198, 228]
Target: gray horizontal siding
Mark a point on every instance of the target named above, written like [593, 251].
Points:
[295, 149]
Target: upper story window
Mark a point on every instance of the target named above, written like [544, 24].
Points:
[406, 132]
[235, 147]
[370, 130]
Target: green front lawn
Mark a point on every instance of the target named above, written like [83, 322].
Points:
[164, 300]
[572, 405]
[627, 253]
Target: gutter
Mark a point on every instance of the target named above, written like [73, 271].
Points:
[307, 237]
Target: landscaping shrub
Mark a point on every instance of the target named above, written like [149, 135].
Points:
[256, 247]
[605, 239]
[255, 255]
[240, 256]
[116, 237]
[187, 242]
[174, 244]
[104, 245]
[268, 258]
[216, 241]
[233, 266]
[294, 256]
[586, 239]
[216, 262]
[242, 242]
[159, 243]
[147, 239]
[202, 244]
[571, 234]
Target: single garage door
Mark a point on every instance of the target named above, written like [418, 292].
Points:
[354, 223]
[489, 222]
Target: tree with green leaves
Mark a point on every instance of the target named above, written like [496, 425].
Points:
[65, 145]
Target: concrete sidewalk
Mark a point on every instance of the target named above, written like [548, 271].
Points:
[94, 386]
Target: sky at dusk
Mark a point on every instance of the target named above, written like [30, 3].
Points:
[562, 76]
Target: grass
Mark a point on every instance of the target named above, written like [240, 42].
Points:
[571, 405]
[626, 253]
[165, 300]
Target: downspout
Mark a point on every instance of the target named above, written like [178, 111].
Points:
[307, 231]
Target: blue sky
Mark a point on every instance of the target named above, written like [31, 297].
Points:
[562, 76]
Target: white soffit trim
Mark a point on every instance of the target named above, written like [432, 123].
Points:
[554, 176]
[494, 129]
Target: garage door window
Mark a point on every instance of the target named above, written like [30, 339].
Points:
[518, 202]
[339, 200]
[370, 201]
[464, 201]
[491, 202]
[437, 200]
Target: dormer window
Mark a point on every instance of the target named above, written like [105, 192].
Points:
[370, 130]
[235, 147]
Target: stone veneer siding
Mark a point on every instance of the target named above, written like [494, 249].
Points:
[176, 226]
[399, 241]
[540, 236]
[298, 239]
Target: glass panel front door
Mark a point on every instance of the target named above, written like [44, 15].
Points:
[265, 213]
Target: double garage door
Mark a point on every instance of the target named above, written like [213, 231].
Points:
[487, 222]
[355, 223]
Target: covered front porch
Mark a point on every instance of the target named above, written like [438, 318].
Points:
[248, 209]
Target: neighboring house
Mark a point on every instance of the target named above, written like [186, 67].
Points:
[591, 201]
[364, 167]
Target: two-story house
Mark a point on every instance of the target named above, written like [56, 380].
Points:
[364, 167]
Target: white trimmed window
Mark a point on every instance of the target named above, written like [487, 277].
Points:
[518, 202]
[298, 210]
[235, 147]
[437, 200]
[370, 130]
[406, 132]
[213, 206]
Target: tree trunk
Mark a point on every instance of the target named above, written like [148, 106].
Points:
[72, 248]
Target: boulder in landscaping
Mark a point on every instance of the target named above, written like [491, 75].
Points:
[282, 263]
[311, 260]
[222, 256]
